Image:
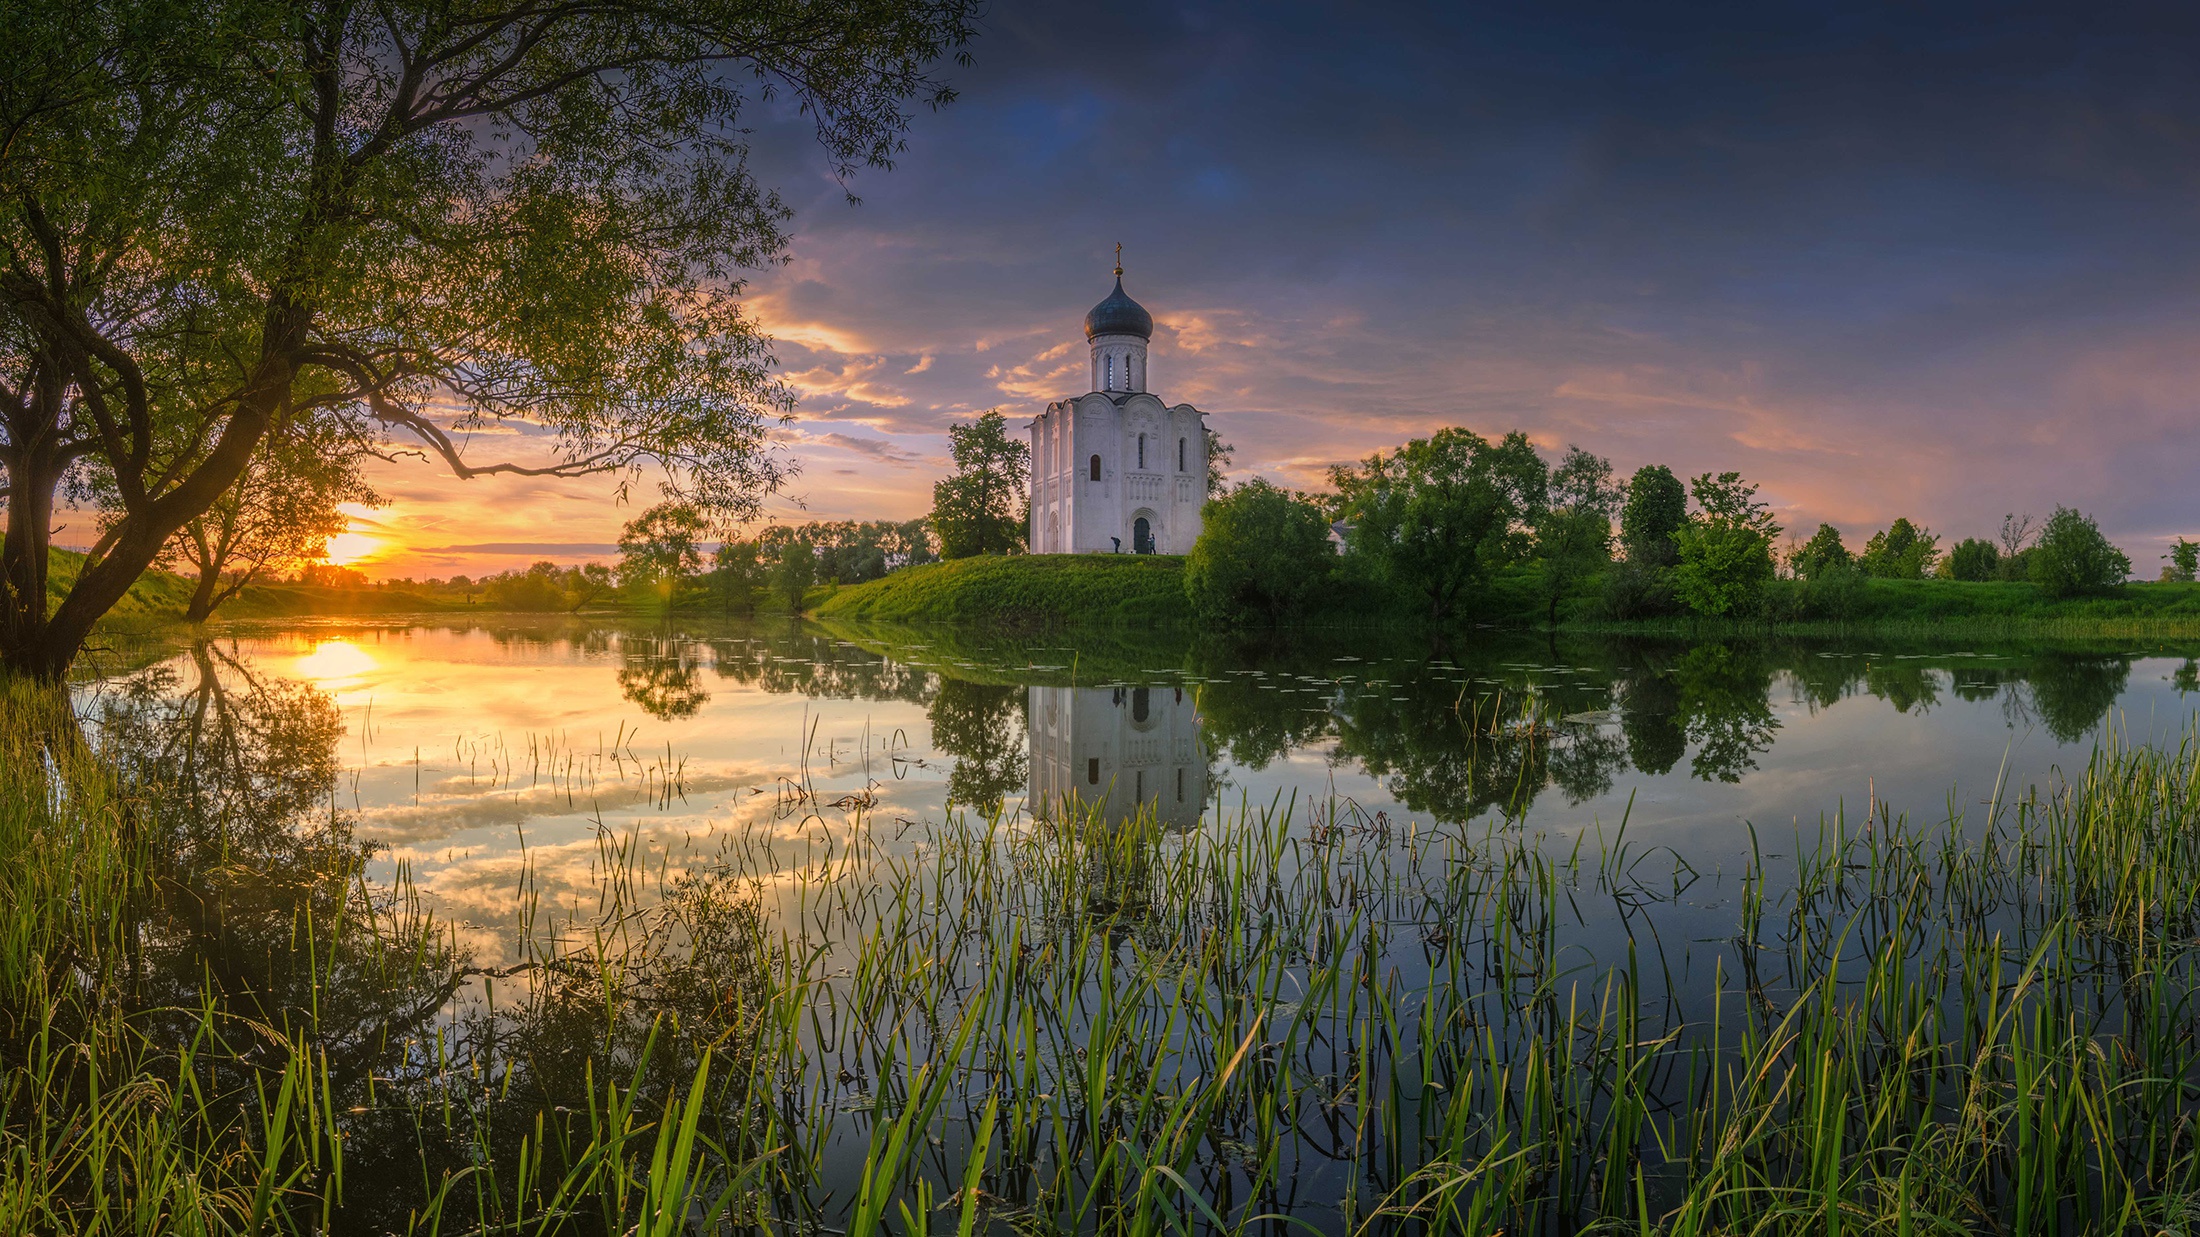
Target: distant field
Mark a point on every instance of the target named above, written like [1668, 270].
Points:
[1039, 590]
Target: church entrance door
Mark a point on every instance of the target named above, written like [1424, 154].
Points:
[1142, 536]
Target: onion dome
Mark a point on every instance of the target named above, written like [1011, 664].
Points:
[1119, 315]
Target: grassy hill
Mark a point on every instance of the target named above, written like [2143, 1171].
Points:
[1025, 590]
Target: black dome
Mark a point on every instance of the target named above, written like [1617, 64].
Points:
[1119, 315]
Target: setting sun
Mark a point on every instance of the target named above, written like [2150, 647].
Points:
[345, 549]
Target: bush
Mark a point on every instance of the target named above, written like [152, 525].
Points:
[1636, 590]
[1837, 594]
[1262, 555]
[1973, 559]
[2073, 558]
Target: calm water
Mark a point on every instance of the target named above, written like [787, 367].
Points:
[508, 770]
[464, 746]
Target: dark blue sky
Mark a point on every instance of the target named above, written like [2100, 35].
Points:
[1938, 261]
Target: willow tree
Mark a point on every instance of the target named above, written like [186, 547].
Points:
[428, 218]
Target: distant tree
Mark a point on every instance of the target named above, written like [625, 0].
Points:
[2184, 561]
[1725, 549]
[739, 577]
[1656, 511]
[981, 509]
[1903, 551]
[1262, 554]
[2017, 532]
[329, 575]
[1439, 514]
[1824, 552]
[793, 571]
[540, 589]
[2073, 558]
[661, 547]
[587, 583]
[1973, 559]
[1219, 455]
[1573, 528]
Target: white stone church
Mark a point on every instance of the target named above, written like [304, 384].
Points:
[1116, 470]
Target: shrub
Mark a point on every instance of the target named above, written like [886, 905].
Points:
[2072, 557]
[1262, 555]
[1635, 590]
[1838, 594]
[1973, 559]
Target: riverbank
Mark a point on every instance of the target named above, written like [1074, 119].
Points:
[1105, 590]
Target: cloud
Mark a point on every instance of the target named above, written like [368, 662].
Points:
[1933, 262]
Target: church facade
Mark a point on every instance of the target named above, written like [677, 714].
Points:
[1116, 470]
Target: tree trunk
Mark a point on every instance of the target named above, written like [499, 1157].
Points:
[203, 597]
[33, 476]
[46, 650]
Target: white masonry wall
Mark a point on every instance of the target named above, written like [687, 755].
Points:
[1074, 514]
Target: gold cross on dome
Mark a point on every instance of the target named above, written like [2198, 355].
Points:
[1118, 259]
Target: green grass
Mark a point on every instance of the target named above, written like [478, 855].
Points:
[213, 1021]
[1026, 590]
[1941, 608]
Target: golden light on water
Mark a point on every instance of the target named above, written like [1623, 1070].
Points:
[334, 661]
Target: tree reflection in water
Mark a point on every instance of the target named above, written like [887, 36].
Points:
[261, 927]
[982, 726]
[258, 909]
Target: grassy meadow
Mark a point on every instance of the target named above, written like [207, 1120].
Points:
[1036, 590]
[1298, 1014]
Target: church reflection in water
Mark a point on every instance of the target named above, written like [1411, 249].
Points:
[1119, 748]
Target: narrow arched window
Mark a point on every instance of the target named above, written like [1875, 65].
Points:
[1096, 468]
[1141, 450]
[1108, 383]
[1180, 455]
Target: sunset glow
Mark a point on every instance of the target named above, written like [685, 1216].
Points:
[347, 549]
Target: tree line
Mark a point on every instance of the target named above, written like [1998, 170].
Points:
[1429, 526]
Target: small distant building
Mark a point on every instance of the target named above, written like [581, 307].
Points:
[1117, 749]
[1116, 470]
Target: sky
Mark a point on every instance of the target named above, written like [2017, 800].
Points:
[1936, 261]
